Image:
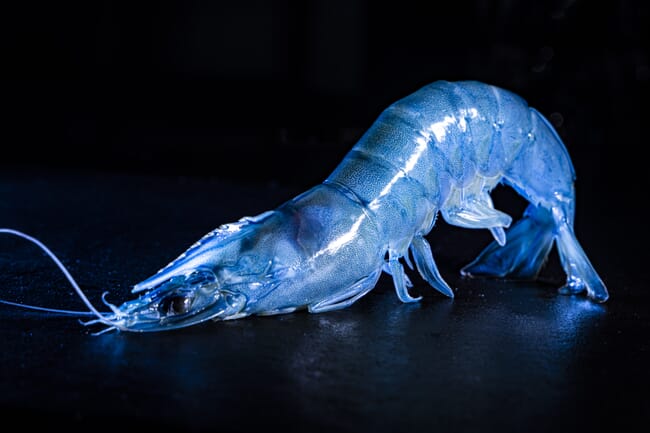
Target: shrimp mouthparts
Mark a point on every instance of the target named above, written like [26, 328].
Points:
[179, 301]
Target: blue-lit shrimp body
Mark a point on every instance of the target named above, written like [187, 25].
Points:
[440, 150]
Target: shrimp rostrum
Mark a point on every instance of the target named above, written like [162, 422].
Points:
[440, 150]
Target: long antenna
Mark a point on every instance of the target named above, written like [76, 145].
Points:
[55, 259]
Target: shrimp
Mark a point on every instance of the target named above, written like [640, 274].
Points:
[440, 150]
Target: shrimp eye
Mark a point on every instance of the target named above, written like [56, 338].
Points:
[175, 305]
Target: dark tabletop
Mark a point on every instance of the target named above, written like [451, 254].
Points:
[501, 356]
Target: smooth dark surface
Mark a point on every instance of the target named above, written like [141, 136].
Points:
[501, 356]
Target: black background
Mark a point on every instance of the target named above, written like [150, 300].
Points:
[280, 90]
[131, 129]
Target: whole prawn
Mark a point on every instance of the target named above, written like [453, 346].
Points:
[440, 150]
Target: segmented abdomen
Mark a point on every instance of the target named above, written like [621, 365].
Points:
[441, 137]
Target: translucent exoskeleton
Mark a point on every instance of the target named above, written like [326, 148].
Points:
[440, 150]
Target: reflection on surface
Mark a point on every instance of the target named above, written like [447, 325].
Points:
[444, 356]
[379, 364]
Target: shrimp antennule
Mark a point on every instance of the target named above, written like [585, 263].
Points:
[104, 318]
